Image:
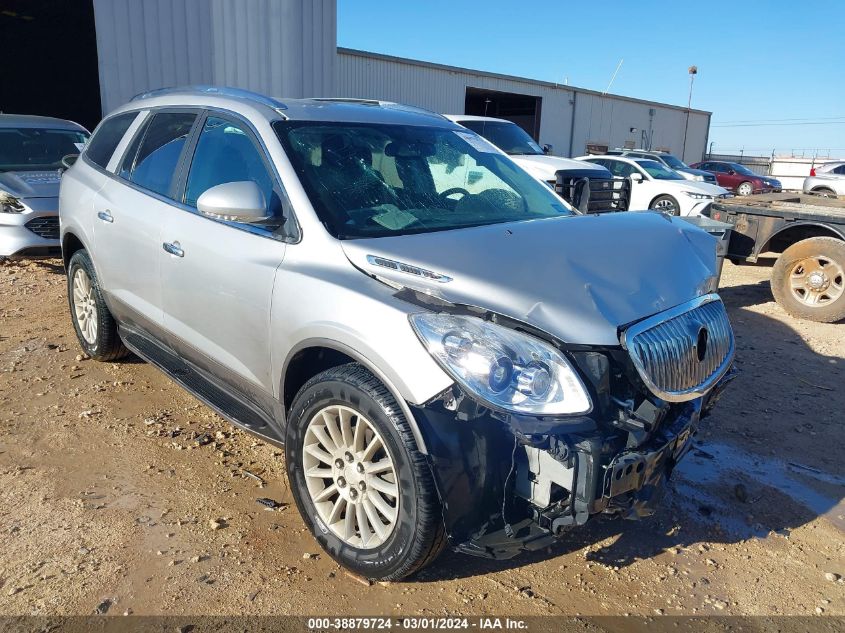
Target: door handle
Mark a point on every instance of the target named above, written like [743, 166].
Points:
[173, 248]
[105, 216]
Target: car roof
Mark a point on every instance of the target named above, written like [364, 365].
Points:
[457, 118]
[614, 157]
[34, 121]
[313, 109]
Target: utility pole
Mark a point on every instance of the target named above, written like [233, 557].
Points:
[693, 71]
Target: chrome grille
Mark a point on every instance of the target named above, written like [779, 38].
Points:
[46, 227]
[681, 353]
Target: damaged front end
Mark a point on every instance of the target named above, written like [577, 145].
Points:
[511, 482]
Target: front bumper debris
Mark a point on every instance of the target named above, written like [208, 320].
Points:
[507, 486]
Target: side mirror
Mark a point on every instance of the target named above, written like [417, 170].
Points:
[636, 177]
[234, 201]
[547, 149]
[69, 160]
[731, 172]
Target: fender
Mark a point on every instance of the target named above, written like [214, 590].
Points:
[838, 231]
[360, 358]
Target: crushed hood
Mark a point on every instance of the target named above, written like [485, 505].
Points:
[578, 278]
[31, 184]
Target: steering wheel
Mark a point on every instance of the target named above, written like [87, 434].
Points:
[451, 192]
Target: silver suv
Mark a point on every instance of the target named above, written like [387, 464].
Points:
[446, 350]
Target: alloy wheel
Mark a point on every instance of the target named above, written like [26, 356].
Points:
[666, 206]
[85, 306]
[745, 189]
[351, 477]
[817, 281]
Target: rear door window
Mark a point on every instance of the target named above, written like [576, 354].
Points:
[107, 137]
[158, 154]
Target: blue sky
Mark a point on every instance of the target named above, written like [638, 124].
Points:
[757, 61]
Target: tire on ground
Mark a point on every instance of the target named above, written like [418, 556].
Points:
[418, 536]
[107, 345]
[826, 247]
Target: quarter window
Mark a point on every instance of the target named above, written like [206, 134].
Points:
[840, 170]
[108, 136]
[159, 151]
[226, 153]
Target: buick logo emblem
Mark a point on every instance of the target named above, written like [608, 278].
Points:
[701, 343]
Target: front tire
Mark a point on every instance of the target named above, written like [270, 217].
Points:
[666, 204]
[745, 189]
[808, 279]
[95, 327]
[358, 479]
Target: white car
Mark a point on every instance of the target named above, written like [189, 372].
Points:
[827, 179]
[654, 186]
[522, 149]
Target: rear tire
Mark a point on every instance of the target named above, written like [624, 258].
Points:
[666, 204]
[343, 494]
[95, 327]
[745, 189]
[824, 191]
[808, 279]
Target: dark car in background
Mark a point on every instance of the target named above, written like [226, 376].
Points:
[739, 178]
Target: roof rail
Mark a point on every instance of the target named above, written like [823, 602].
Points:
[377, 102]
[223, 91]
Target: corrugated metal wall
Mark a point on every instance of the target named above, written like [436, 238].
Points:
[277, 47]
[597, 118]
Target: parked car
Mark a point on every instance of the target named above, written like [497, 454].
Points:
[482, 367]
[657, 187]
[739, 178]
[604, 193]
[31, 152]
[523, 150]
[668, 160]
[827, 179]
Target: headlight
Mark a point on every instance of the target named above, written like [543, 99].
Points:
[698, 177]
[10, 204]
[695, 195]
[504, 368]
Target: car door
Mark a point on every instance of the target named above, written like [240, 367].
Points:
[730, 177]
[217, 275]
[130, 210]
[640, 190]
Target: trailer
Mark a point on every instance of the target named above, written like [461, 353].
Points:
[808, 233]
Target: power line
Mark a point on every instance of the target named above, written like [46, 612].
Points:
[805, 118]
[777, 124]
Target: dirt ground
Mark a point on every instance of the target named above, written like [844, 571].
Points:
[111, 477]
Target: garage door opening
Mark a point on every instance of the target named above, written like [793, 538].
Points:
[524, 110]
[50, 60]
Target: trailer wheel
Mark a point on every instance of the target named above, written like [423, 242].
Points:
[808, 279]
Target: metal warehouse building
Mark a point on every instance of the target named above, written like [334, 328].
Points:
[93, 55]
